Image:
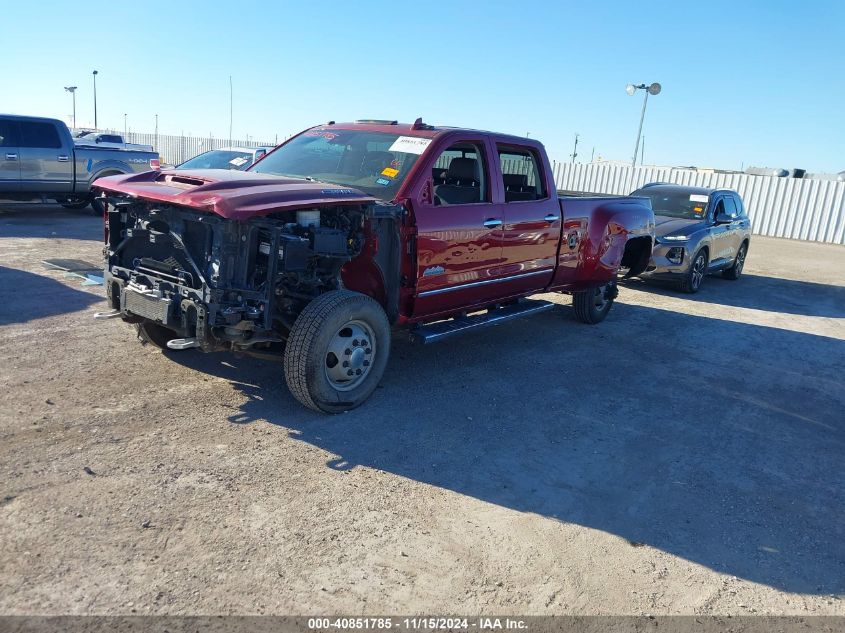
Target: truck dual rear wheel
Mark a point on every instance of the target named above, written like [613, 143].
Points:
[592, 305]
[337, 351]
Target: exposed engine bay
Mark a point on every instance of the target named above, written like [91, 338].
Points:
[223, 284]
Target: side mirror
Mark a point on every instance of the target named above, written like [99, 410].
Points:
[723, 218]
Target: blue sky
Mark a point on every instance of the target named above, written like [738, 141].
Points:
[753, 83]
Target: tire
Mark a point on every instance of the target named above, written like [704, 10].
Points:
[694, 277]
[331, 325]
[155, 334]
[591, 306]
[735, 271]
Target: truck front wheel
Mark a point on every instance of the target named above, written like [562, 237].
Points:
[337, 351]
[592, 305]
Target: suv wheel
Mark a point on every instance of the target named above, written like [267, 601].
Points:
[592, 305]
[337, 351]
[736, 270]
[691, 282]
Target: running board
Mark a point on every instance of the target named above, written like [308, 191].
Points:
[433, 332]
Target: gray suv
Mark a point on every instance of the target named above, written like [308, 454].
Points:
[698, 232]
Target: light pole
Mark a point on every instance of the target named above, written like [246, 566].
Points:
[575, 149]
[95, 99]
[72, 91]
[631, 89]
[124, 127]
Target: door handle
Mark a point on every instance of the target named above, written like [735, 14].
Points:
[492, 223]
[62, 159]
[11, 156]
[551, 217]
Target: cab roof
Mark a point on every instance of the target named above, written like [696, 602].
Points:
[418, 128]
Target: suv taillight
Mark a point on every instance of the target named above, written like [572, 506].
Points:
[155, 163]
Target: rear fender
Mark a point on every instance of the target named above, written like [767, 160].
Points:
[619, 230]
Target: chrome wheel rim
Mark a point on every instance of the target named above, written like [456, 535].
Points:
[600, 300]
[350, 355]
[740, 261]
[697, 271]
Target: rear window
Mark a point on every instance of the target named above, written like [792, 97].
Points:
[38, 134]
[676, 204]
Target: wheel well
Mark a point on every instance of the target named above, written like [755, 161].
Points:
[637, 254]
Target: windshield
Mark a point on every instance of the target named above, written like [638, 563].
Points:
[374, 162]
[219, 159]
[687, 206]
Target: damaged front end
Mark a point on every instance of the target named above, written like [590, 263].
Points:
[217, 283]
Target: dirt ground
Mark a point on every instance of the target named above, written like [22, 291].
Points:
[683, 457]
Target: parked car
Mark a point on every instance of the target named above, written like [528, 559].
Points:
[226, 158]
[699, 231]
[40, 161]
[348, 229]
[108, 139]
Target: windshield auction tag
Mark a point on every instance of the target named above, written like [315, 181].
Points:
[697, 197]
[410, 145]
[238, 161]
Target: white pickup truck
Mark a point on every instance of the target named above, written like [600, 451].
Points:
[108, 139]
[39, 161]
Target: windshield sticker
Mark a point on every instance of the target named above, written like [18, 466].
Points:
[389, 172]
[696, 197]
[383, 181]
[343, 192]
[409, 145]
[326, 135]
[237, 161]
[698, 210]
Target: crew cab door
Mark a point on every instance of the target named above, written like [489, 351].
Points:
[458, 244]
[10, 167]
[46, 166]
[531, 231]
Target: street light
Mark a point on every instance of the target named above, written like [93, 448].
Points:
[72, 91]
[631, 89]
[95, 99]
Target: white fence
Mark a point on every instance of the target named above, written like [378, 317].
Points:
[796, 208]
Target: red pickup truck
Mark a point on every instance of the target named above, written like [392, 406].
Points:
[346, 230]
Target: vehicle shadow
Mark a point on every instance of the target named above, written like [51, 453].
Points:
[31, 296]
[772, 294]
[729, 456]
[49, 221]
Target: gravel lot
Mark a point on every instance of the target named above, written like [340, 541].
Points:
[685, 456]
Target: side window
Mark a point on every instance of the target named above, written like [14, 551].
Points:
[111, 138]
[719, 208]
[521, 174]
[460, 175]
[37, 134]
[8, 138]
[740, 207]
[730, 206]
